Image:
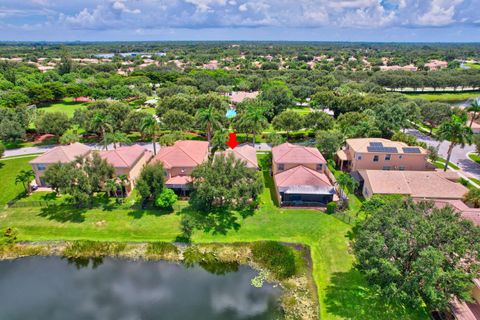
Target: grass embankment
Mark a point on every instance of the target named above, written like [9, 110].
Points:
[9, 168]
[446, 97]
[473, 65]
[474, 157]
[440, 164]
[342, 290]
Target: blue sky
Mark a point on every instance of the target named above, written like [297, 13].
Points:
[320, 20]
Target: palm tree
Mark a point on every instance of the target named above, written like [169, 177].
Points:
[210, 119]
[123, 183]
[254, 118]
[473, 197]
[117, 137]
[150, 126]
[347, 182]
[111, 187]
[24, 177]
[475, 108]
[457, 133]
[101, 121]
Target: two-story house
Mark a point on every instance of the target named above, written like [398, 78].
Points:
[179, 160]
[60, 154]
[381, 154]
[299, 176]
[128, 161]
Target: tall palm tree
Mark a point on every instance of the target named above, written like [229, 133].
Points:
[457, 133]
[254, 118]
[151, 127]
[117, 137]
[102, 122]
[210, 119]
[24, 177]
[123, 183]
[475, 108]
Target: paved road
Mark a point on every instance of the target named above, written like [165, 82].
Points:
[459, 155]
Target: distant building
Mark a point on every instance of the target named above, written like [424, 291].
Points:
[436, 65]
[240, 96]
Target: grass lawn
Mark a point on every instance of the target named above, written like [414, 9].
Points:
[67, 105]
[9, 168]
[342, 291]
[474, 157]
[440, 163]
[457, 96]
[473, 65]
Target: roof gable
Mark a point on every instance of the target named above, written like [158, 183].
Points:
[301, 176]
[184, 153]
[123, 157]
[291, 153]
[62, 154]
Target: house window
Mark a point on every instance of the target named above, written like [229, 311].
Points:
[388, 157]
[386, 167]
[41, 166]
[401, 168]
[281, 167]
[375, 158]
[319, 166]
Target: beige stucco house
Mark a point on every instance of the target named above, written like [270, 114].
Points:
[62, 154]
[179, 160]
[381, 154]
[299, 176]
[128, 161]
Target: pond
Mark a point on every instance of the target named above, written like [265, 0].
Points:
[52, 288]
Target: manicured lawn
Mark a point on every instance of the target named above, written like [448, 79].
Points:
[9, 168]
[474, 157]
[440, 163]
[342, 291]
[67, 105]
[443, 96]
[473, 65]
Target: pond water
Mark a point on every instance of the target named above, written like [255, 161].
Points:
[52, 288]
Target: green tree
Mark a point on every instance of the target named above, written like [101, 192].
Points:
[358, 124]
[66, 64]
[117, 137]
[275, 139]
[475, 108]
[279, 95]
[11, 130]
[416, 253]
[210, 119]
[103, 123]
[151, 127]
[25, 177]
[347, 182]
[151, 181]
[457, 133]
[434, 113]
[473, 197]
[176, 120]
[2, 150]
[318, 120]
[69, 138]
[53, 122]
[328, 142]
[253, 118]
[288, 121]
[166, 198]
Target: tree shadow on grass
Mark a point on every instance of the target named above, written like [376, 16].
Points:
[350, 297]
[139, 213]
[63, 213]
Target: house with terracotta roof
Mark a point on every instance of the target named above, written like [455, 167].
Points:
[245, 153]
[381, 154]
[420, 185]
[128, 161]
[60, 154]
[239, 96]
[463, 310]
[179, 160]
[299, 176]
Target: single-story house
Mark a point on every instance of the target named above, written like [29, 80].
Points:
[421, 185]
[128, 161]
[60, 154]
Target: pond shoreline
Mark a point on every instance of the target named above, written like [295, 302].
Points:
[299, 293]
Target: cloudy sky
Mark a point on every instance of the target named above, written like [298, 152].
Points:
[322, 20]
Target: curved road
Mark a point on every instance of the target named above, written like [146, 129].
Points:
[459, 155]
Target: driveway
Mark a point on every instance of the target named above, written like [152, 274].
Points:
[459, 155]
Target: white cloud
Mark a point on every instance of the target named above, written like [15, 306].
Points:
[441, 13]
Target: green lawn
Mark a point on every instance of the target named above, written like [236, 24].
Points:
[457, 96]
[342, 291]
[67, 105]
[440, 163]
[473, 65]
[9, 168]
[474, 157]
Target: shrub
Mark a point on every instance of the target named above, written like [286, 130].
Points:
[92, 249]
[275, 257]
[331, 207]
[166, 199]
[161, 248]
[2, 149]
[10, 236]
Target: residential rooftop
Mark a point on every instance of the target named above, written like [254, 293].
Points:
[123, 157]
[184, 153]
[62, 154]
[380, 145]
[292, 153]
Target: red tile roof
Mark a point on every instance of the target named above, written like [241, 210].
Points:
[178, 180]
[63, 154]
[184, 153]
[301, 176]
[291, 153]
[244, 152]
[123, 157]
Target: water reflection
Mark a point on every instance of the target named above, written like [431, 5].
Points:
[50, 288]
